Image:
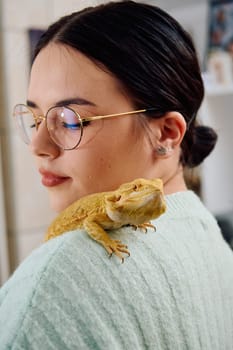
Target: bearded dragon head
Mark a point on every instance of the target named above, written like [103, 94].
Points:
[136, 202]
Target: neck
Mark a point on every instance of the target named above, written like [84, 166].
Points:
[176, 182]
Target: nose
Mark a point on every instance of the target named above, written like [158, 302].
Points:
[42, 145]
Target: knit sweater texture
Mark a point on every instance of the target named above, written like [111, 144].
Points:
[174, 292]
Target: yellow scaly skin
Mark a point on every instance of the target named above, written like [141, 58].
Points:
[134, 203]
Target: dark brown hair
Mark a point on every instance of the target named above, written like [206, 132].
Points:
[151, 54]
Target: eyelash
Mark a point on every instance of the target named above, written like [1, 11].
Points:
[66, 125]
[70, 126]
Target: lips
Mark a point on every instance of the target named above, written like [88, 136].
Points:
[50, 179]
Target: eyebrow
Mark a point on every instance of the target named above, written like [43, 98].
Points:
[68, 101]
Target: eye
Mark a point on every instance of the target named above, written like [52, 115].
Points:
[69, 119]
[74, 126]
[113, 198]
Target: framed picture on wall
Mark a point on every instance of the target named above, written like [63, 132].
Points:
[220, 26]
[219, 55]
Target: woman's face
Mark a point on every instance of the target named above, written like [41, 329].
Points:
[112, 151]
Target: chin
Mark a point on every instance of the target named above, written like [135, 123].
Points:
[59, 204]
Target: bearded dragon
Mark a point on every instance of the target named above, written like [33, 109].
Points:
[134, 203]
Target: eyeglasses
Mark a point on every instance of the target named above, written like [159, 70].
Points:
[65, 126]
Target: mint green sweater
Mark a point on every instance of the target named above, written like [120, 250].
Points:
[174, 292]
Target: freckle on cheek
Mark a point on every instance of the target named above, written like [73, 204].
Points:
[105, 163]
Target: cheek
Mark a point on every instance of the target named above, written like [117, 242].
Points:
[95, 170]
[89, 165]
[98, 164]
[107, 161]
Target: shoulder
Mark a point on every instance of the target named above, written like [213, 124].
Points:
[17, 294]
[193, 249]
[190, 229]
[69, 292]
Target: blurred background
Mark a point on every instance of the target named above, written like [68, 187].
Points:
[24, 209]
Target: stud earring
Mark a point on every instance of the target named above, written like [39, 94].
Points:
[161, 150]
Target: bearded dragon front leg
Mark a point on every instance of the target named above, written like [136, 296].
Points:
[144, 226]
[97, 233]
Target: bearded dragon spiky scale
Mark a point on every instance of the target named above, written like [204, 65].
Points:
[134, 203]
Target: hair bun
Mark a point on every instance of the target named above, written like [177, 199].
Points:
[203, 141]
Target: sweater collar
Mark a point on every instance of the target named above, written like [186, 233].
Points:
[183, 204]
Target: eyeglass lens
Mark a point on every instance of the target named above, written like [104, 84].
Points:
[64, 125]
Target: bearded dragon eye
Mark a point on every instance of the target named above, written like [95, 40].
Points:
[113, 198]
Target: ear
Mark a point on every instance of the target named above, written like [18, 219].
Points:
[170, 131]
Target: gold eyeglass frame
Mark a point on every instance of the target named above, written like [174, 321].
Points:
[41, 117]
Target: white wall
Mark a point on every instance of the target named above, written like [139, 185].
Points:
[4, 258]
[28, 213]
[194, 18]
[217, 170]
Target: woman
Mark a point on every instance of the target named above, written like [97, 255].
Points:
[133, 65]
